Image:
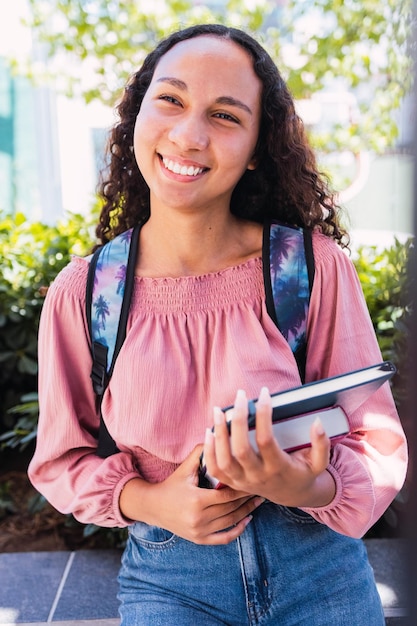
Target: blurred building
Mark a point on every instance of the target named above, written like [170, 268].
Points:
[30, 180]
[378, 197]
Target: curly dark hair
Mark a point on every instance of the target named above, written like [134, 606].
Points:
[285, 185]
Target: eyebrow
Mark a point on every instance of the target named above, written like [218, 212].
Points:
[228, 100]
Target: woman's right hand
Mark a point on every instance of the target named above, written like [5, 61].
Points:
[203, 516]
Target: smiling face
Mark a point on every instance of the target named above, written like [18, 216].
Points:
[198, 125]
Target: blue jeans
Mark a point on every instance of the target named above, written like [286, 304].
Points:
[285, 570]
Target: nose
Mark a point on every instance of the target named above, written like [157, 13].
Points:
[189, 133]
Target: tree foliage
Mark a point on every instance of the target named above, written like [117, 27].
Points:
[363, 47]
[342, 44]
[112, 38]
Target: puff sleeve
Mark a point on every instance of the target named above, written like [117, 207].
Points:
[369, 465]
[65, 467]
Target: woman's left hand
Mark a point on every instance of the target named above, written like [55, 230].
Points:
[298, 479]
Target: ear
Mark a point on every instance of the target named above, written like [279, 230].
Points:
[253, 163]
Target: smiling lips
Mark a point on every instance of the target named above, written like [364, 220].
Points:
[184, 170]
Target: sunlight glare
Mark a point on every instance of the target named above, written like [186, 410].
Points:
[15, 38]
[8, 616]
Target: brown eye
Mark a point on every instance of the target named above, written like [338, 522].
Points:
[170, 99]
[227, 117]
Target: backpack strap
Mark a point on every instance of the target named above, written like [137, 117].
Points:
[109, 288]
[288, 264]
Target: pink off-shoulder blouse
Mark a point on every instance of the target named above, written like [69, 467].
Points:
[191, 343]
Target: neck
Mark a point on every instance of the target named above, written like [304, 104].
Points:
[195, 244]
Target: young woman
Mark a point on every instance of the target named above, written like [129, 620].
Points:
[207, 147]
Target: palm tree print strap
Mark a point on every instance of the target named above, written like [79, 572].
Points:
[110, 281]
[288, 275]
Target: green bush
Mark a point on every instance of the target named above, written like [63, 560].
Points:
[385, 277]
[31, 256]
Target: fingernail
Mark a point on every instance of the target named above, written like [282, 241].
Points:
[318, 426]
[248, 519]
[258, 501]
[218, 415]
[209, 435]
[264, 396]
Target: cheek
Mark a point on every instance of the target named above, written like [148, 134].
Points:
[238, 157]
[142, 140]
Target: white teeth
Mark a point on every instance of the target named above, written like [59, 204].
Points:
[184, 170]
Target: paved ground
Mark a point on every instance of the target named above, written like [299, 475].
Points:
[80, 588]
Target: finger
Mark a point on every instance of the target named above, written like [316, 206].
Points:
[245, 504]
[320, 447]
[222, 450]
[239, 437]
[209, 454]
[235, 516]
[269, 449]
[264, 432]
[191, 465]
[217, 445]
[224, 537]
